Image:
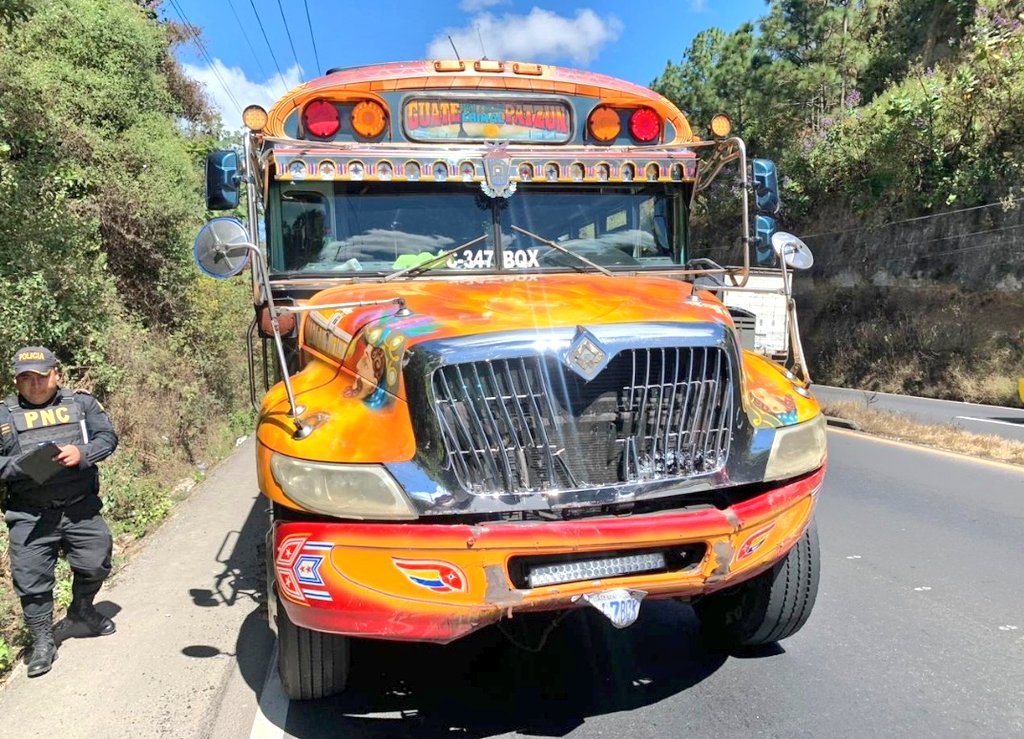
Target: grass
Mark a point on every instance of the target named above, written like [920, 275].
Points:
[947, 437]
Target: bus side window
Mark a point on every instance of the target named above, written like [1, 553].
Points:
[304, 227]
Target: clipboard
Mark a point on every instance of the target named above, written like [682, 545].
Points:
[38, 463]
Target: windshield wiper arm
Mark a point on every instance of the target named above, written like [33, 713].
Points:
[422, 267]
[559, 247]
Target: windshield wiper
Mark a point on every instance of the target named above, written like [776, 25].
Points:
[559, 247]
[422, 267]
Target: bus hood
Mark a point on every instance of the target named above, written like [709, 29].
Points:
[346, 329]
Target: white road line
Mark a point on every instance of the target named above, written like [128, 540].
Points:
[272, 711]
[1019, 425]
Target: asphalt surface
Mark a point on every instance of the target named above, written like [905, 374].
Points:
[976, 418]
[918, 631]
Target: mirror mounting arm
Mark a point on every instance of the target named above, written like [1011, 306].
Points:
[302, 430]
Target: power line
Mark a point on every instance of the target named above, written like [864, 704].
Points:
[264, 32]
[312, 38]
[247, 41]
[190, 30]
[908, 220]
[289, 34]
[973, 247]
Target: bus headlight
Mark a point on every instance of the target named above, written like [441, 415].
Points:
[362, 491]
[796, 450]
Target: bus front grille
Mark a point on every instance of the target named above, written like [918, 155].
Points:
[529, 424]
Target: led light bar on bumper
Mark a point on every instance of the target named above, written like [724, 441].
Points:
[360, 491]
[593, 569]
[796, 450]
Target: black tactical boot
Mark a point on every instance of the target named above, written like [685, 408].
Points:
[92, 620]
[44, 650]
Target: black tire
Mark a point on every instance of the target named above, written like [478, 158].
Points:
[311, 664]
[770, 607]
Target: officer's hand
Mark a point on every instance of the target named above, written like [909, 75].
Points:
[70, 455]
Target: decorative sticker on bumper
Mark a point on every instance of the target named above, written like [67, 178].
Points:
[754, 542]
[440, 577]
[298, 568]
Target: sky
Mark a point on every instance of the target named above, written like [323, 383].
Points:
[247, 56]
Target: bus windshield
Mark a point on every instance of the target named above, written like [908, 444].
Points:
[320, 228]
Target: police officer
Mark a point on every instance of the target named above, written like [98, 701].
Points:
[62, 512]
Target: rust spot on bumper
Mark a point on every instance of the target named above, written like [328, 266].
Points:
[723, 558]
[498, 592]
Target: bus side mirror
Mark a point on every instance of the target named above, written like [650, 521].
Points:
[222, 180]
[764, 228]
[766, 187]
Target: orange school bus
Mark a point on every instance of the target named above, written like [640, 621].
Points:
[505, 385]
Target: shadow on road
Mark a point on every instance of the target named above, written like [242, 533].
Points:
[66, 629]
[483, 685]
[240, 583]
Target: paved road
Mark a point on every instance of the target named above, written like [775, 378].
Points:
[919, 631]
[979, 419]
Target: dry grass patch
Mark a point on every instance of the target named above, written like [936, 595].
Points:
[945, 436]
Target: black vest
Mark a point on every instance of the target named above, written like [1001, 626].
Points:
[62, 423]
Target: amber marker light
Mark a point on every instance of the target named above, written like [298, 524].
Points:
[644, 124]
[604, 124]
[254, 118]
[321, 118]
[368, 119]
[721, 126]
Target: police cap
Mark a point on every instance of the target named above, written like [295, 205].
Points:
[36, 359]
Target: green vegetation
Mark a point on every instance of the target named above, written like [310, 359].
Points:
[887, 106]
[102, 140]
[877, 111]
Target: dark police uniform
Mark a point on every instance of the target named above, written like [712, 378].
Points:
[63, 512]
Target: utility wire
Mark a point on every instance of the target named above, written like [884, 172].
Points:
[312, 38]
[908, 220]
[247, 41]
[289, 34]
[190, 30]
[973, 247]
[264, 32]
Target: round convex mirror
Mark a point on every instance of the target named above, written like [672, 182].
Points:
[221, 248]
[795, 253]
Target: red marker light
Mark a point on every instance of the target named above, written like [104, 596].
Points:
[644, 124]
[322, 119]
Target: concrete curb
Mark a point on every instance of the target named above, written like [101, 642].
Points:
[843, 423]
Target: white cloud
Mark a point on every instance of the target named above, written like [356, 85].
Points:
[472, 6]
[541, 35]
[698, 6]
[245, 91]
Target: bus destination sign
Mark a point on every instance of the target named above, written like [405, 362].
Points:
[447, 119]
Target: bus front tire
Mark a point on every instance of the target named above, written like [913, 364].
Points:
[768, 608]
[311, 664]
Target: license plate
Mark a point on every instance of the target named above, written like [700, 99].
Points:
[621, 606]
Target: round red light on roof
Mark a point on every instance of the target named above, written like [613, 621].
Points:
[644, 124]
[321, 118]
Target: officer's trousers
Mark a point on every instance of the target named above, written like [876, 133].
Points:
[37, 536]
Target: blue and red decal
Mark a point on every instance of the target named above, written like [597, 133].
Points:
[440, 577]
[298, 566]
[754, 542]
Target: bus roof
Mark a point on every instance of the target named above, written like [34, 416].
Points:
[481, 76]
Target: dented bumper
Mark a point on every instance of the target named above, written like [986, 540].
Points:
[424, 582]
